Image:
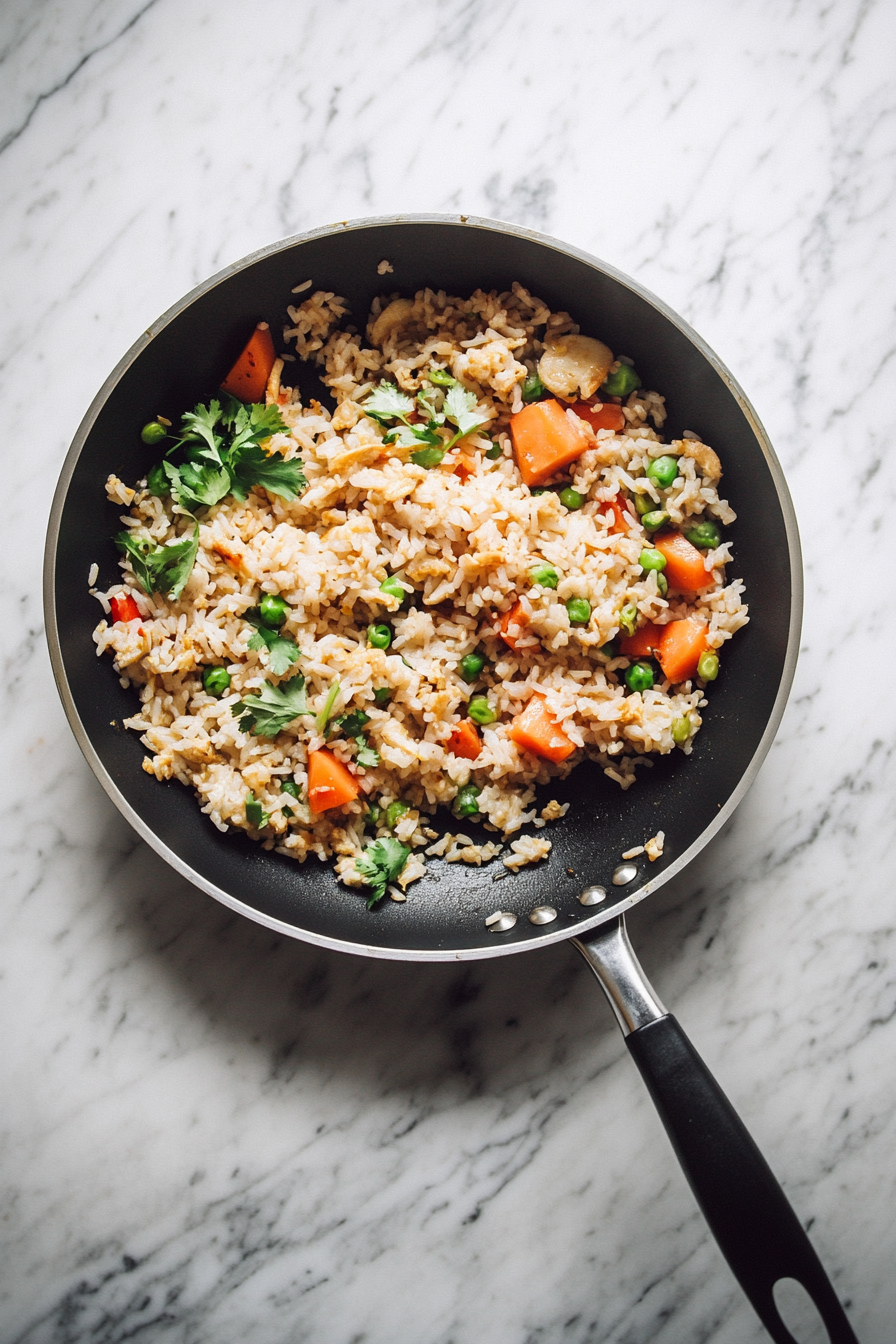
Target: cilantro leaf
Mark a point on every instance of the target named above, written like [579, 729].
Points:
[387, 403]
[255, 813]
[198, 426]
[367, 756]
[273, 709]
[160, 569]
[198, 485]
[380, 864]
[354, 723]
[251, 465]
[427, 406]
[282, 652]
[428, 457]
[460, 410]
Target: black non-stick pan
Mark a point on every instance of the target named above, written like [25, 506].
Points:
[179, 361]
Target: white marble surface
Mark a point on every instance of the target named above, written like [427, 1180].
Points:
[212, 1135]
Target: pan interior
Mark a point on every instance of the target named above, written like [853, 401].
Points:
[182, 362]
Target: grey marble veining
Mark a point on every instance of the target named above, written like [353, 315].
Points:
[211, 1134]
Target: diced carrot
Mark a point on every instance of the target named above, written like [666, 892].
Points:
[249, 376]
[465, 740]
[680, 648]
[545, 440]
[329, 783]
[464, 469]
[643, 642]
[514, 617]
[684, 563]
[622, 519]
[535, 729]
[601, 415]
[124, 608]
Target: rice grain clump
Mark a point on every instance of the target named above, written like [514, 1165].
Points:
[439, 632]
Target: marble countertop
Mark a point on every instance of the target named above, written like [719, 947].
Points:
[211, 1134]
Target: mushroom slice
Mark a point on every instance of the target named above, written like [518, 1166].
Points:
[392, 317]
[573, 366]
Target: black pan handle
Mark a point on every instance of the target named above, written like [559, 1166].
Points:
[756, 1229]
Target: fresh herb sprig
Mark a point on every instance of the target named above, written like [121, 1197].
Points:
[160, 569]
[386, 404]
[221, 454]
[380, 864]
[274, 708]
[282, 652]
[353, 725]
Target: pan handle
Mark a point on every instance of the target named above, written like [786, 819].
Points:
[747, 1211]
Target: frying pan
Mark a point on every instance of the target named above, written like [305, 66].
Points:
[178, 362]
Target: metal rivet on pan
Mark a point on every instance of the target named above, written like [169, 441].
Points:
[625, 873]
[500, 921]
[542, 914]
[593, 896]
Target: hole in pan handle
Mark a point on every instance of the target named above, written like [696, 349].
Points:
[747, 1211]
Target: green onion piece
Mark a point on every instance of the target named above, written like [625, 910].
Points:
[533, 388]
[662, 584]
[545, 576]
[373, 814]
[628, 617]
[466, 802]
[609, 650]
[480, 711]
[323, 717]
[287, 811]
[379, 636]
[391, 586]
[622, 382]
[290, 786]
[441, 378]
[382, 695]
[255, 814]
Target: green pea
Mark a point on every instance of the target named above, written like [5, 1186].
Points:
[466, 802]
[639, 677]
[154, 432]
[622, 382]
[651, 559]
[662, 471]
[610, 649]
[273, 610]
[628, 617]
[379, 636]
[708, 666]
[533, 388]
[373, 814]
[571, 499]
[441, 378]
[471, 665]
[391, 586]
[643, 504]
[382, 695]
[705, 536]
[157, 482]
[662, 584]
[480, 711]
[578, 610]
[494, 452]
[289, 786]
[545, 576]
[255, 813]
[216, 680]
[394, 813]
[681, 730]
[654, 520]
